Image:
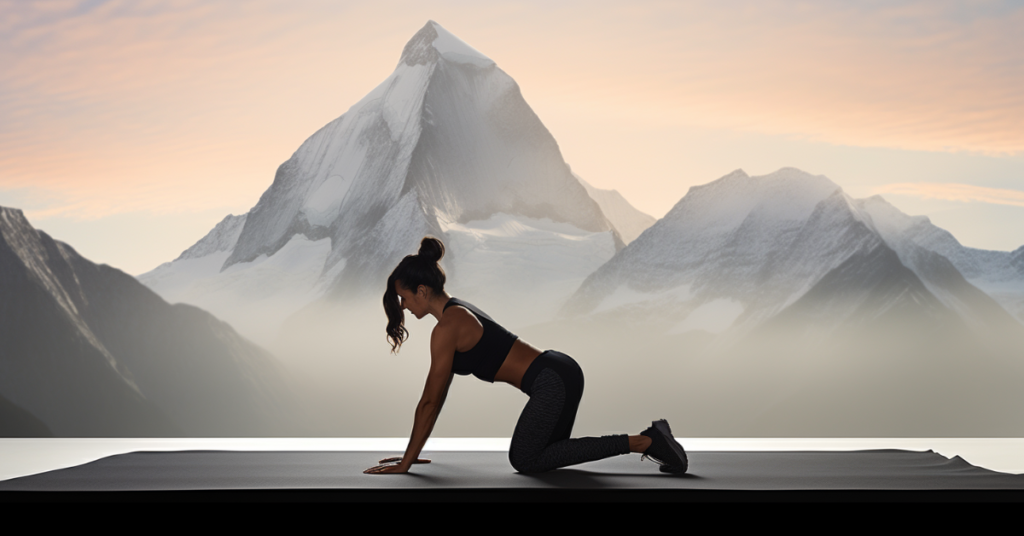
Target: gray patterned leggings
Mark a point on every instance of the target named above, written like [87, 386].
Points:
[541, 440]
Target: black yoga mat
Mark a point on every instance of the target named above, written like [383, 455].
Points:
[467, 471]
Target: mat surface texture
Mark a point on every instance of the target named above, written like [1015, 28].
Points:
[750, 471]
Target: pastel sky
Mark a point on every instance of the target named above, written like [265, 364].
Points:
[129, 128]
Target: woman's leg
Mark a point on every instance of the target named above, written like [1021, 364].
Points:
[541, 439]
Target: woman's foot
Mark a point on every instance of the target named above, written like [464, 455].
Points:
[664, 449]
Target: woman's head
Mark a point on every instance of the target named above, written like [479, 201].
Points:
[413, 272]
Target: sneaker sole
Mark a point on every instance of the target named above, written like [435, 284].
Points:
[662, 427]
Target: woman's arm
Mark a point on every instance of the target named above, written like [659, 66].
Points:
[442, 353]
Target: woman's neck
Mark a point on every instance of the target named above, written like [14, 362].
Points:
[437, 303]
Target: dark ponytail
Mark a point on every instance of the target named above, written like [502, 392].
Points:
[413, 271]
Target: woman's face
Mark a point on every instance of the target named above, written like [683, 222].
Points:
[414, 302]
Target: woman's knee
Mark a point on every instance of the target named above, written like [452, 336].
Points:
[529, 469]
[525, 464]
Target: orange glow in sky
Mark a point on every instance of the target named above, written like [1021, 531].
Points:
[180, 112]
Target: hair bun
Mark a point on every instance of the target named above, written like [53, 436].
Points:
[431, 249]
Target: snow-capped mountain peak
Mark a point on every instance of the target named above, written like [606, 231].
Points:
[433, 40]
[753, 247]
[445, 145]
[785, 195]
[889, 219]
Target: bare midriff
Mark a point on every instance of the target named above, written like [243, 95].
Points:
[519, 358]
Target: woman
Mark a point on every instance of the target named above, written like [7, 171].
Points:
[464, 341]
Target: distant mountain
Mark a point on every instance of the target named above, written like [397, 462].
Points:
[999, 274]
[629, 221]
[739, 251]
[221, 239]
[870, 290]
[445, 146]
[89, 351]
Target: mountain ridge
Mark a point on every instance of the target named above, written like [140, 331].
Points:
[90, 351]
[763, 244]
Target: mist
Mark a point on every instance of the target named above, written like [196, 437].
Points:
[899, 376]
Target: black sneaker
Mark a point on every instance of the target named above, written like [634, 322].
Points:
[664, 449]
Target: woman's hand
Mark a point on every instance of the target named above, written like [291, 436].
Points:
[398, 459]
[386, 469]
[388, 466]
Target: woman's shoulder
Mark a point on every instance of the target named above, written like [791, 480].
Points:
[456, 324]
[456, 315]
[457, 319]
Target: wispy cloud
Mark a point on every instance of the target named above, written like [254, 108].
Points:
[966, 193]
[156, 105]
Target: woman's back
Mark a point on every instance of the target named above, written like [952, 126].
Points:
[496, 354]
[486, 356]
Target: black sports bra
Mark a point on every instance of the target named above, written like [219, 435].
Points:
[484, 359]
